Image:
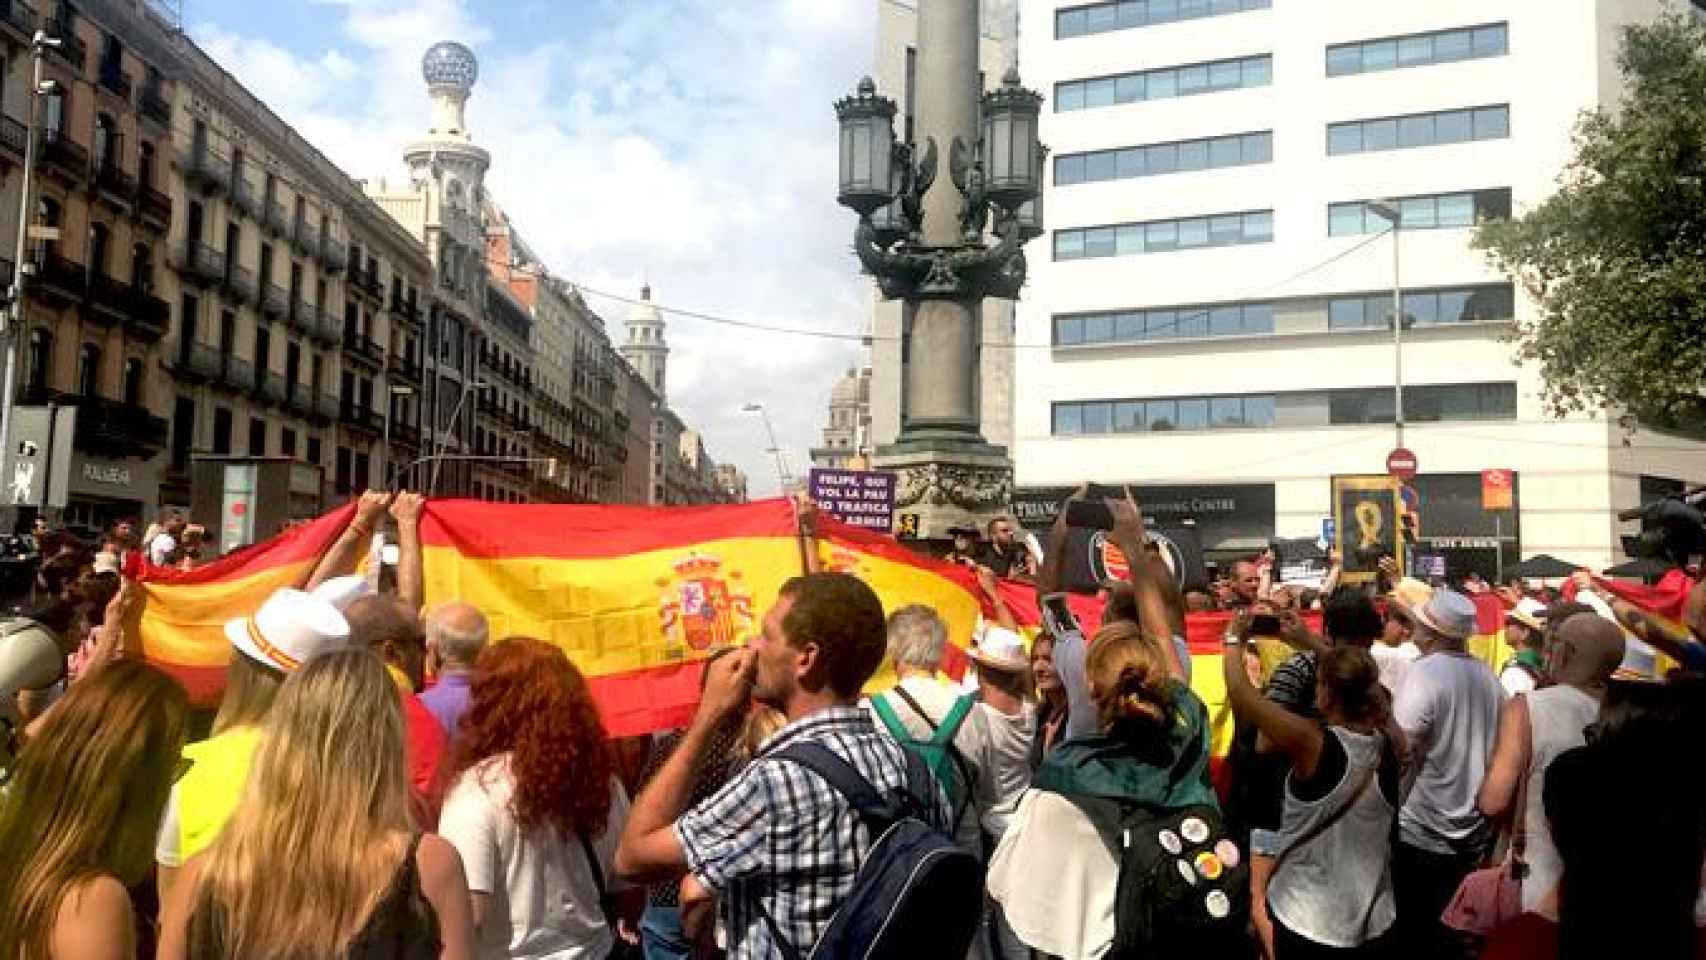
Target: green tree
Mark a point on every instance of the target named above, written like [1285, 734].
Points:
[1616, 258]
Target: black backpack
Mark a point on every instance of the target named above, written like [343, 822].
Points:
[916, 895]
[1184, 886]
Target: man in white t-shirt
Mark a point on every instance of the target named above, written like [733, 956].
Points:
[1397, 649]
[165, 543]
[1003, 678]
[1448, 707]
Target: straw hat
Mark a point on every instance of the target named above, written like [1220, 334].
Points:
[1528, 612]
[1449, 614]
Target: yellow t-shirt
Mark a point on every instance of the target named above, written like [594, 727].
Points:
[208, 793]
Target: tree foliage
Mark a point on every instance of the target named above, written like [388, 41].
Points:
[1616, 258]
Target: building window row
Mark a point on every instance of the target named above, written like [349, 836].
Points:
[1161, 236]
[1424, 308]
[1170, 413]
[1164, 83]
[1166, 323]
[1419, 130]
[1434, 403]
[1181, 156]
[1440, 211]
[1127, 14]
[1418, 49]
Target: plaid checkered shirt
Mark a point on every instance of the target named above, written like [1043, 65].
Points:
[779, 835]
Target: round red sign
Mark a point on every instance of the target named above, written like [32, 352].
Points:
[1401, 463]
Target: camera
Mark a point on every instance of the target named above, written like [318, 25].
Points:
[1673, 530]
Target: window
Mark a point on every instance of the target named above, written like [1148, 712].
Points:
[1424, 404]
[133, 382]
[40, 372]
[1433, 212]
[287, 441]
[257, 437]
[1446, 305]
[342, 471]
[1180, 413]
[1161, 158]
[314, 450]
[221, 430]
[1418, 130]
[100, 244]
[1163, 235]
[89, 370]
[1164, 83]
[1418, 49]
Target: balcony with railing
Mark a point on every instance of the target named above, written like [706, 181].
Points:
[333, 254]
[14, 138]
[59, 276]
[109, 298]
[19, 18]
[200, 262]
[275, 300]
[328, 329]
[199, 363]
[71, 48]
[148, 316]
[269, 387]
[62, 156]
[239, 283]
[405, 370]
[326, 407]
[116, 428]
[208, 167]
[236, 374]
[154, 105]
[298, 399]
[355, 415]
[358, 347]
[302, 317]
[278, 221]
[114, 184]
[306, 239]
[154, 206]
[244, 197]
[116, 80]
[405, 434]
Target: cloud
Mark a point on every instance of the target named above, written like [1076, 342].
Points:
[689, 143]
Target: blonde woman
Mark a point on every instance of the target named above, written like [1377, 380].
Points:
[321, 859]
[80, 810]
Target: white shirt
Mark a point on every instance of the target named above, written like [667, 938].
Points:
[160, 549]
[1055, 879]
[1516, 680]
[1394, 663]
[972, 740]
[1010, 762]
[544, 902]
[1449, 708]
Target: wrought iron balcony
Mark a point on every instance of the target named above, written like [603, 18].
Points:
[201, 262]
[277, 220]
[208, 167]
[327, 328]
[14, 138]
[360, 417]
[275, 300]
[298, 399]
[59, 154]
[113, 427]
[109, 298]
[302, 316]
[269, 387]
[153, 206]
[57, 275]
[199, 363]
[19, 18]
[306, 240]
[326, 407]
[236, 374]
[244, 197]
[333, 254]
[114, 184]
[114, 79]
[405, 370]
[148, 315]
[153, 104]
[360, 348]
[239, 283]
[405, 434]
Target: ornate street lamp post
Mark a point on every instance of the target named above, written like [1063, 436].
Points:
[941, 248]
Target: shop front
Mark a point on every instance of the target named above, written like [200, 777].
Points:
[1465, 526]
[102, 490]
[1232, 520]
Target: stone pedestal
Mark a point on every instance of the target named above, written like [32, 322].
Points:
[947, 482]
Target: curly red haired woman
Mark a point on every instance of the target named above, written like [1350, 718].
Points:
[535, 808]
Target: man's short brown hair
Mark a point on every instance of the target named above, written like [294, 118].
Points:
[844, 618]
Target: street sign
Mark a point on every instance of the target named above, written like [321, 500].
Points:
[860, 498]
[38, 231]
[1497, 489]
[1401, 463]
[1327, 538]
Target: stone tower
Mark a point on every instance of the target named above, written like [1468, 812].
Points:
[646, 349]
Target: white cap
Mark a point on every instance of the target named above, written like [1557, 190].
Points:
[288, 630]
[1000, 649]
[340, 592]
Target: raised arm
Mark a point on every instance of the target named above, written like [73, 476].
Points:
[805, 512]
[344, 554]
[1298, 738]
[1151, 581]
[406, 509]
[1048, 577]
[1297, 633]
[1003, 614]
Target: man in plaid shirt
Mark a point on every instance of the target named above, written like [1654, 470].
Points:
[778, 843]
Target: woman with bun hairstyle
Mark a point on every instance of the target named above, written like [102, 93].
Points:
[1053, 873]
[1330, 893]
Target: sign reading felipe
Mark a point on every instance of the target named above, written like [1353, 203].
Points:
[859, 498]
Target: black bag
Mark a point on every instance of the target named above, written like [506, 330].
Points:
[620, 949]
[1184, 886]
[917, 894]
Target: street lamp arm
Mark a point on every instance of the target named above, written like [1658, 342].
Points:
[895, 273]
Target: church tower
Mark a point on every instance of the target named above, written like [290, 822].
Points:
[646, 350]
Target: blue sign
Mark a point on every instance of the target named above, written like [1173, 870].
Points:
[1327, 531]
[859, 498]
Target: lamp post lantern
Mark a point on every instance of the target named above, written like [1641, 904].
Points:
[941, 246]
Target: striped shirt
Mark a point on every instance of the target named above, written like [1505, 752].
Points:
[780, 836]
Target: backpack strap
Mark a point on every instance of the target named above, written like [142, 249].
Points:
[841, 775]
[942, 736]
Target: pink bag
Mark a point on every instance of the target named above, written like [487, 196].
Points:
[1486, 898]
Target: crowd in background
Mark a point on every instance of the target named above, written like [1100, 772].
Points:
[384, 779]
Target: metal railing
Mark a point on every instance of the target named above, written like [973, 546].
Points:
[116, 80]
[114, 181]
[244, 197]
[277, 220]
[61, 272]
[239, 282]
[153, 204]
[208, 166]
[148, 315]
[236, 373]
[275, 300]
[201, 261]
[307, 240]
[153, 104]
[58, 151]
[333, 254]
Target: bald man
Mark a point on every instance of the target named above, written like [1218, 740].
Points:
[1535, 728]
[455, 635]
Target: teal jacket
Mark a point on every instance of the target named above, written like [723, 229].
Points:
[1169, 771]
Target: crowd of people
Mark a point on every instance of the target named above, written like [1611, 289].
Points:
[384, 779]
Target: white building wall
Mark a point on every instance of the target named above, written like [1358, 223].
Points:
[1573, 474]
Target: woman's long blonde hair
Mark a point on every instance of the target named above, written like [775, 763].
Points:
[86, 796]
[250, 689]
[323, 823]
[1129, 681]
